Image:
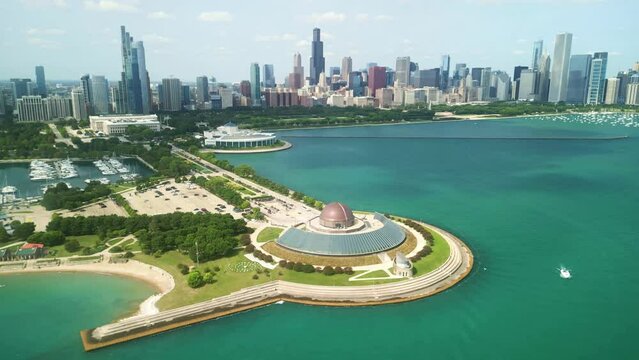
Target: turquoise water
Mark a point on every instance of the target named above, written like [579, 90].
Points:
[524, 207]
[17, 175]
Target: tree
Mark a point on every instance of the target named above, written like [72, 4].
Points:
[195, 279]
[328, 270]
[244, 171]
[23, 230]
[4, 236]
[208, 278]
[72, 245]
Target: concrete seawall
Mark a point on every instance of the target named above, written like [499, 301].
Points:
[454, 269]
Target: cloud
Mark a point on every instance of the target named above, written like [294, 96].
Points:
[41, 3]
[160, 15]
[521, 41]
[361, 17]
[215, 16]
[384, 18]
[276, 38]
[156, 39]
[330, 16]
[109, 5]
[303, 43]
[518, 52]
[43, 43]
[51, 31]
[615, 53]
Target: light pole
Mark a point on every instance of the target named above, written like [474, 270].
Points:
[197, 254]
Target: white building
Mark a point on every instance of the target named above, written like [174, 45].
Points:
[559, 72]
[528, 81]
[79, 104]
[415, 96]
[58, 107]
[226, 96]
[632, 94]
[384, 97]
[336, 100]
[32, 109]
[117, 124]
[363, 101]
[230, 136]
[612, 90]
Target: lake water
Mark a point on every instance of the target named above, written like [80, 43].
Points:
[17, 174]
[524, 207]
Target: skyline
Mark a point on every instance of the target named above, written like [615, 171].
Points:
[347, 30]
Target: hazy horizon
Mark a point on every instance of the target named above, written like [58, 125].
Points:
[74, 37]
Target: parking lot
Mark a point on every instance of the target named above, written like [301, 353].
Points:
[172, 197]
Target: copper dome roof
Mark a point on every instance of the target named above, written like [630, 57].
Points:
[336, 211]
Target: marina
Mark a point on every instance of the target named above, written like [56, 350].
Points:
[29, 179]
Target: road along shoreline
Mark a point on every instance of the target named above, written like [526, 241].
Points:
[453, 270]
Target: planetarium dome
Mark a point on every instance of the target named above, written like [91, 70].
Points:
[337, 216]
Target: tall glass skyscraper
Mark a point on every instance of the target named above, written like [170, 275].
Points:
[597, 78]
[256, 93]
[40, 81]
[269, 76]
[317, 57]
[100, 95]
[538, 47]
[578, 74]
[402, 71]
[444, 72]
[559, 72]
[135, 78]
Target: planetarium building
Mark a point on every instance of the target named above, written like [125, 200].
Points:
[338, 232]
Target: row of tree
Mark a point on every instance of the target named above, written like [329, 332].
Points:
[63, 197]
[203, 236]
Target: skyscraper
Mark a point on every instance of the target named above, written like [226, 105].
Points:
[578, 74]
[202, 91]
[347, 67]
[486, 76]
[269, 76]
[171, 98]
[118, 104]
[79, 104]
[135, 78]
[544, 77]
[356, 83]
[402, 71]
[256, 93]
[296, 78]
[538, 47]
[317, 57]
[612, 91]
[100, 93]
[41, 83]
[444, 72]
[597, 79]
[559, 73]
[21, 87]
[376, 79]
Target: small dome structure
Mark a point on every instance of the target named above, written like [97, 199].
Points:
[337, 216]
[402, 266]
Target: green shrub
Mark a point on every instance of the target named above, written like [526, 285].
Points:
[72, 245]
[328, 270]
[195, 279]
[183, 269]
[208, 278]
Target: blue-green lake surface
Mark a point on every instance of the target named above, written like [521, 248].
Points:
[524, 207]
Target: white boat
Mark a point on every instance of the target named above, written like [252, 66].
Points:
[564, 273]
[280, 302]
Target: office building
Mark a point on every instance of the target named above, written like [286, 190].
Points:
[484, 86]
[538, 47]
[21, 87]
[578, 74]
[100, 94]
[135, 78]
[376, 79]
[201, 91]
[118, 103]
[347, 67]
[612, 91]
[444, 72]
[528, 85]
[597, 79]
[41, 83]
[269, 76]
[402, 71]
[58, 107]
[317, 57]
[31, 108]
[356, 83]
[79, 105]
[226, 97]
[560, 65]
[632, 91]
[87, 90]
[516, 77]
[503, 86]
[171, 97]
[186, 95]
[544, 78]
[256, 94]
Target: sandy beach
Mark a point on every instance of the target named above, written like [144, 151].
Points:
[155, 276]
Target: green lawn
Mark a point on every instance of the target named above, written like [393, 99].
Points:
[85, 258]
[440, 253]
[268, 234]
[84, 240]
[116, 188]
[114, 241]
[375, 274]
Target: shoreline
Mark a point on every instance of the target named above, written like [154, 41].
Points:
[160, 280]
[287, 145]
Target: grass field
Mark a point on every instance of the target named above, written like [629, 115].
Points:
[268, 234]
[86, 241]
[375, 274]
[440, 253]
[85, 258]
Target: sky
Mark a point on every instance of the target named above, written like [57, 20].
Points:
[190, 38]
